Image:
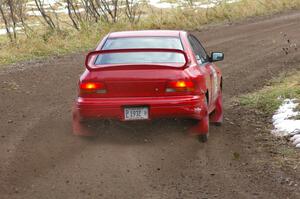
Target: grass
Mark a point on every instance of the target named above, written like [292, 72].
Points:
[268, 99]
[42, 42]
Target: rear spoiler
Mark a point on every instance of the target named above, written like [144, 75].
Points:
[91, 56]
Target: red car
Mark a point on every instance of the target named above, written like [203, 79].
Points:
[141, 75]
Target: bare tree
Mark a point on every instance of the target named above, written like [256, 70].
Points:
[4, 17]
[90, 14]
[80, 12]
[111, 7]
[132, 10]
[74, 14]
[20, 13]
[9, 12]
[97, 10]
[12, 16]
[98, 6]
[190, 2]
[46, 17]
[94, 10]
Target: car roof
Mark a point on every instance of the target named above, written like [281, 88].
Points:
[146, 33]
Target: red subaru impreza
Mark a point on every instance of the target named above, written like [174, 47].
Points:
[141, 75]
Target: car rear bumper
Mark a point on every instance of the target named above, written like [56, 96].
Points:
[191, 106]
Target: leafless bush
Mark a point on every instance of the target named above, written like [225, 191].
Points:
[109, 8]
[91, 10]
[74, 16]
[12, 13]
[40, 6]
[80, 12]
[96, 11]
[6, 22]
[190, 2]
[11, 6]
[132, 10]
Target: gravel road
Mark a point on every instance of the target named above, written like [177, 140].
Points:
[40, 158]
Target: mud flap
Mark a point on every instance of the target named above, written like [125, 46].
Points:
[217, 116]
[202, 127]
[79, 127]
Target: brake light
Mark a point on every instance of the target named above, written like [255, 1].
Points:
[180, 86]
[92, 87]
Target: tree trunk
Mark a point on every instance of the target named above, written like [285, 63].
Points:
[5, 23]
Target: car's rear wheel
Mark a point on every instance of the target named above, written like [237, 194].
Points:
[216, 116]
[203, 138]
[204, 127]
[80, 126]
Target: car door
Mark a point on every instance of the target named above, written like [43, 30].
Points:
[203, 61]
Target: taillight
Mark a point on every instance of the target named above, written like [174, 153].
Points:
[180, 86]
[92, 87]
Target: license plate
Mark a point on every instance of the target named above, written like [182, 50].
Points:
[136, 113]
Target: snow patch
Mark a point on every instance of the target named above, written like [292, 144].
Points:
[179, 3]
[3, 30]
[159, 4]
[18, 28]
[61, 6]
[284, 123]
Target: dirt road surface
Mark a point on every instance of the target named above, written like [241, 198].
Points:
[40, 158]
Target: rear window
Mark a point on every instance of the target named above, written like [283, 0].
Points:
[141, 57]
[143, 42]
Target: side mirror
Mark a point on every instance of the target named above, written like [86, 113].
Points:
[216, 56]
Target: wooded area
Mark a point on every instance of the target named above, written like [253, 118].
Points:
[79, 12]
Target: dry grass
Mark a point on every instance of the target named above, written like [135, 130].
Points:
[267, 101]
[43, 43]
[270, 97]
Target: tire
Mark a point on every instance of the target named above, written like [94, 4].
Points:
[80, 126]
[203, 138]
[218, 123]
[216, 117]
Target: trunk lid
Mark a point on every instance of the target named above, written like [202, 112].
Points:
[135, 72]
[134, 82]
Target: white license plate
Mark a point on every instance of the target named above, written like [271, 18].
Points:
[136, 113]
